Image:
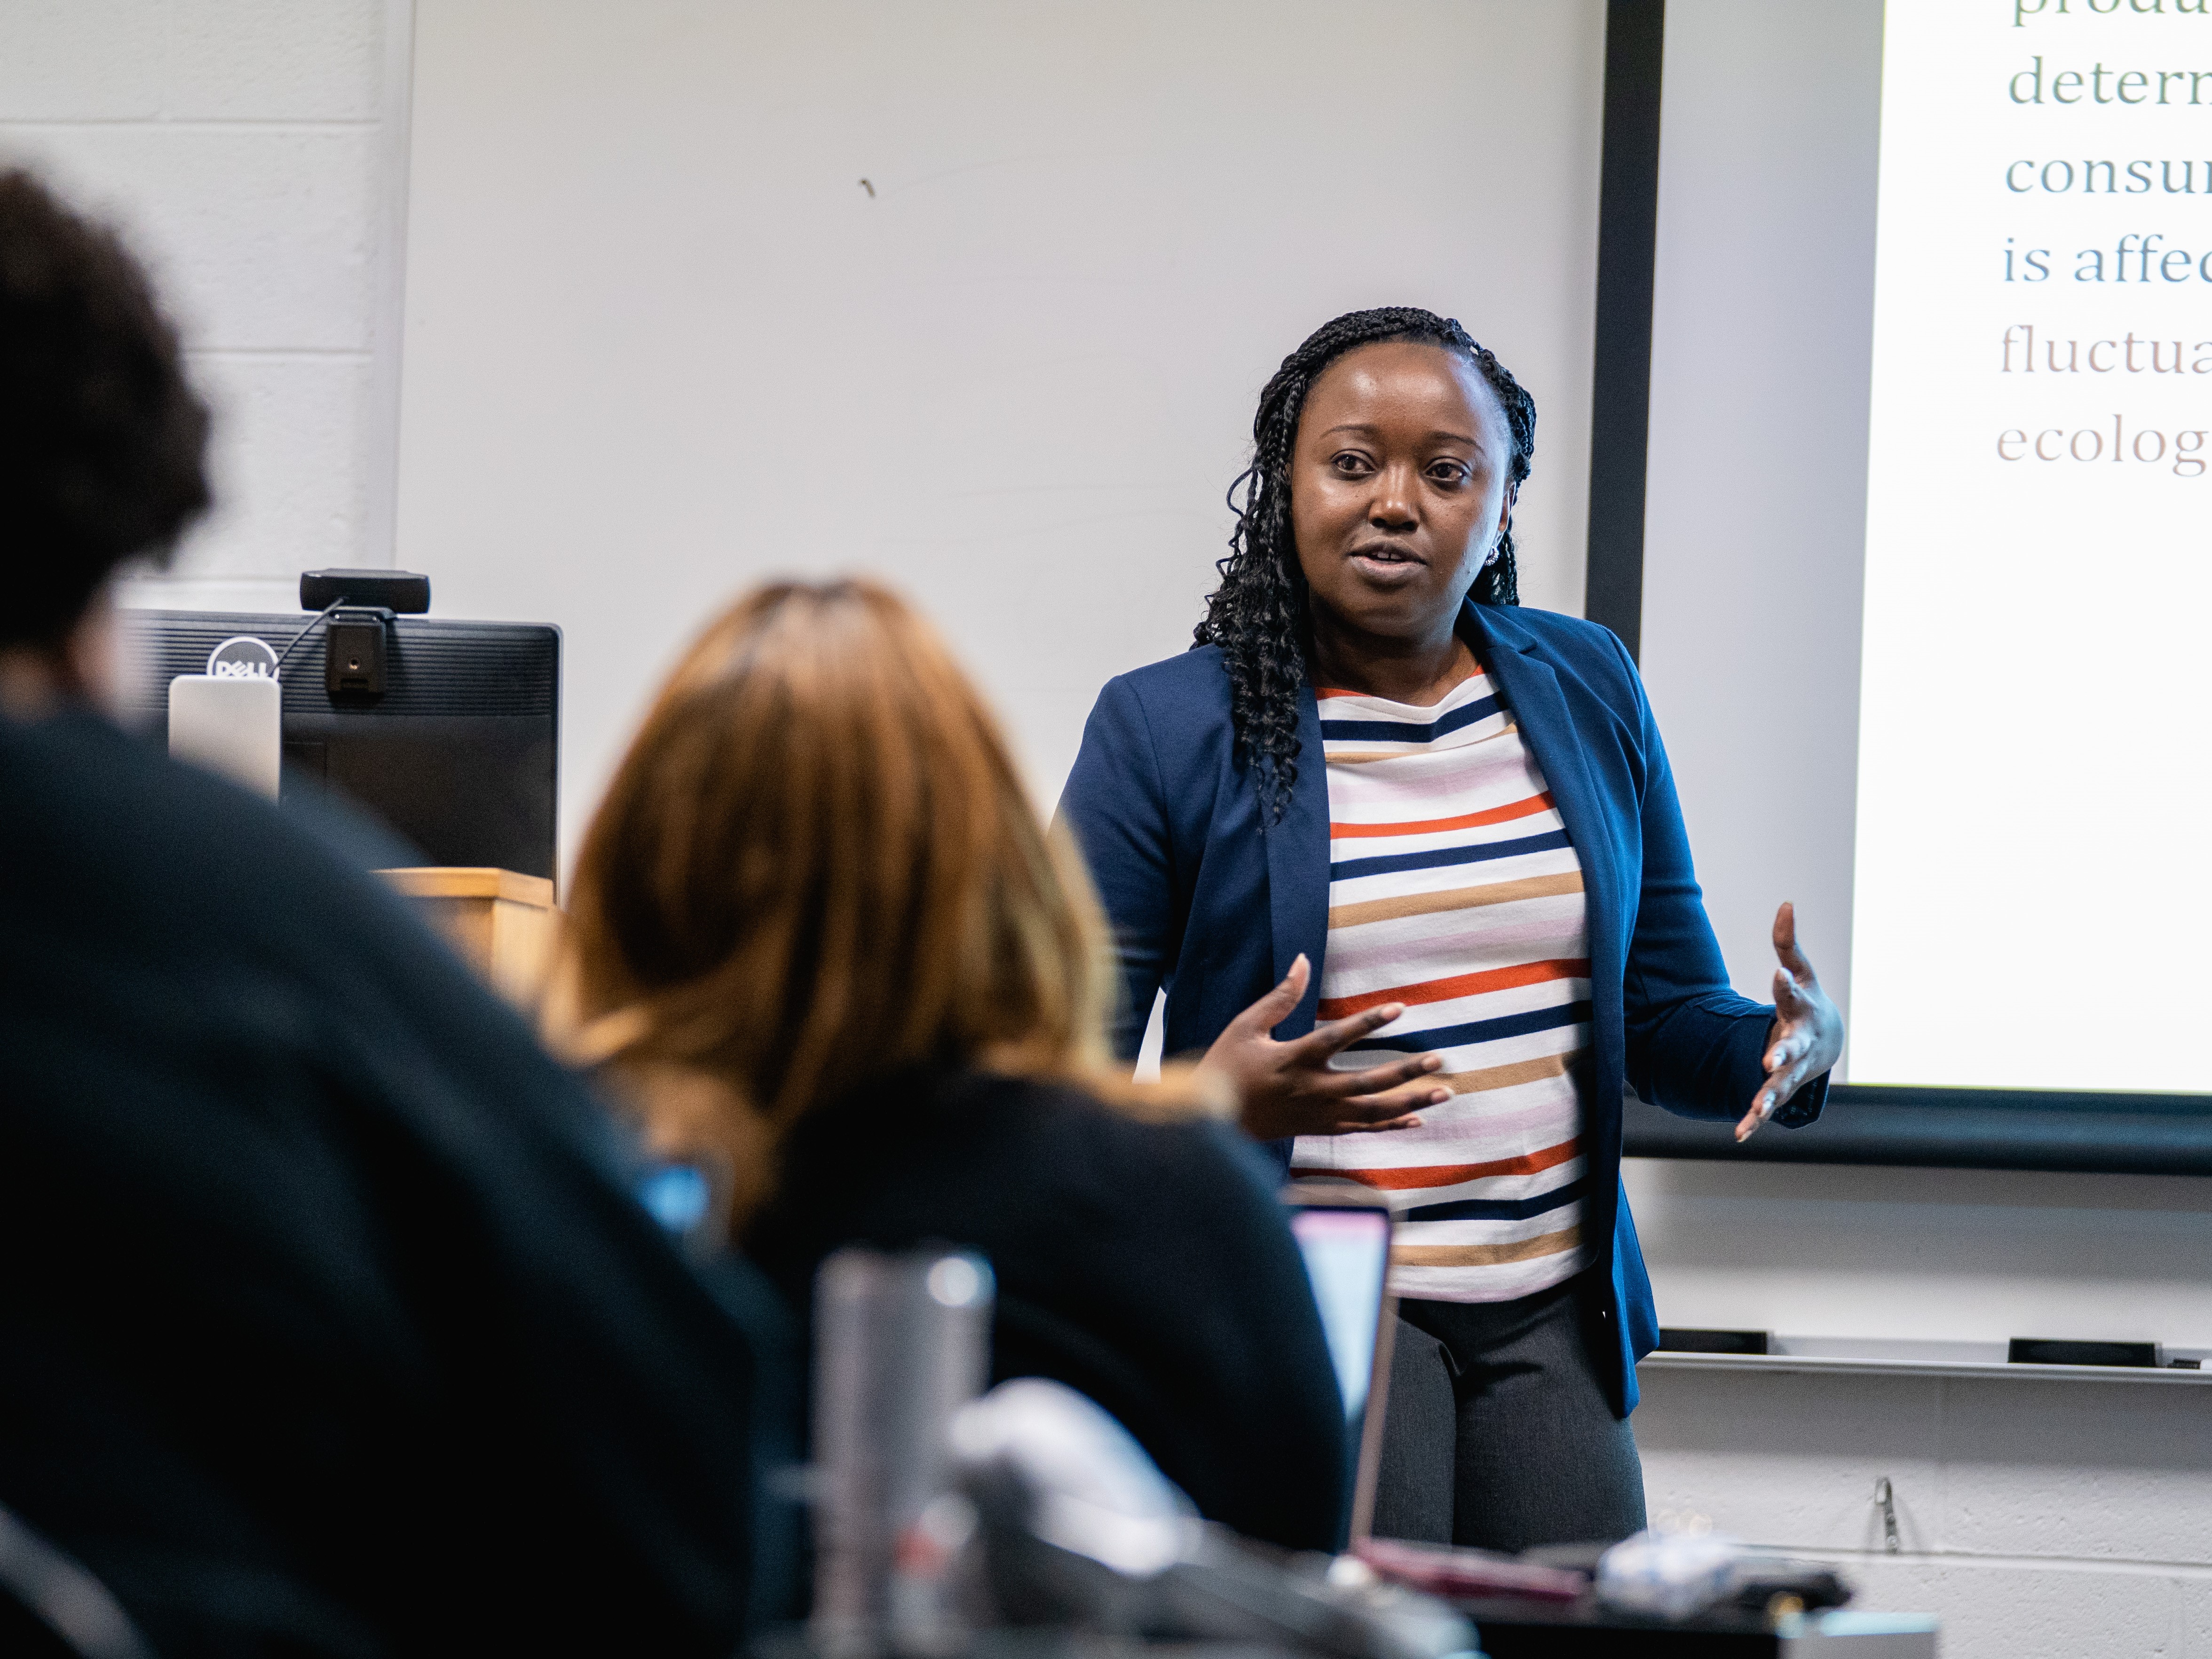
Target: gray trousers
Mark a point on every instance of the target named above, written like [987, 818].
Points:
[1499, 1433]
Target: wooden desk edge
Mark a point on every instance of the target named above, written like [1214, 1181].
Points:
[461, 881]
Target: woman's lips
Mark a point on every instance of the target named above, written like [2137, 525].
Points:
[1387, 569]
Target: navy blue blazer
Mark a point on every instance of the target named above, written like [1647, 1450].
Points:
[1212, 902]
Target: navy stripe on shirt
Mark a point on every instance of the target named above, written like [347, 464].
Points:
[1439, 858]
[1480, 1030]
[1496, 1209]
[1395, 732]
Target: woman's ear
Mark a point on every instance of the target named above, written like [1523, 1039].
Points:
[1504, 528]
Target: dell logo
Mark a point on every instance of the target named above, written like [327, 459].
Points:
[242, 658]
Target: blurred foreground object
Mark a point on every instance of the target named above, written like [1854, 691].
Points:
[1451, 1570]
[1079, 1529]
[75, 1613]
[339, 1274]
[1676, 1575]
[232, 727]
[901, 1345]
[1664, 1594]
[1669, 1574]
[501, 923]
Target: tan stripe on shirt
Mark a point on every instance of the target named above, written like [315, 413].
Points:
[1484, 1255]
[1459, 898]
[1509, 1077]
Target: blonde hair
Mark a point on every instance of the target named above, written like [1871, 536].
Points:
[816, 866]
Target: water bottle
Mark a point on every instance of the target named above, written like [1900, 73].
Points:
[902, 1342]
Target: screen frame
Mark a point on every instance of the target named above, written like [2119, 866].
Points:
[1955, 1129]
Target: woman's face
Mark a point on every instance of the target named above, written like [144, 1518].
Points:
[1398, 488]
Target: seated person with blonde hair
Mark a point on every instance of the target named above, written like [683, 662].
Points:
[823, 941]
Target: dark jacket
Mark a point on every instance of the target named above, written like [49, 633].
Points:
[329, 1326]
[1213, 903]
[1146, 1265]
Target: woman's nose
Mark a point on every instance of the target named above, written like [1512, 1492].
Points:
[1392, 507]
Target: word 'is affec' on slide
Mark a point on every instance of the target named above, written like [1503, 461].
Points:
[2136, 257]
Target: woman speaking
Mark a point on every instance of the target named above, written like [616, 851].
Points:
[1407, 862]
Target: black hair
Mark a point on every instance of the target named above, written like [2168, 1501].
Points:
[1258, 616]
[102, 439]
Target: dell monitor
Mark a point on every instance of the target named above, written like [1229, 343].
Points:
[455, 748]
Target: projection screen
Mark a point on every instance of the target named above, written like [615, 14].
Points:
[1930, 398]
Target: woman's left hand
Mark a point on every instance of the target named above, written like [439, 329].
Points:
[1807, 1038]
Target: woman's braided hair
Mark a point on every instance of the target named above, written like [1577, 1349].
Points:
[1258, 615]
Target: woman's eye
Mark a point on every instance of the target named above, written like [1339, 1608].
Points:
[1350, 464]
[1449, 473]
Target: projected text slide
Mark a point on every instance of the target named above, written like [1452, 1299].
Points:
[2033, 883]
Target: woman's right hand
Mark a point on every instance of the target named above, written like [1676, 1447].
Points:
[1287, 1088]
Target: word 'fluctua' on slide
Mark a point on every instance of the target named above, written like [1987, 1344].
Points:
[2030, 760]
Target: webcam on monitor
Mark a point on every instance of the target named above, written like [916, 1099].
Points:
[403, 592]
[356, 608]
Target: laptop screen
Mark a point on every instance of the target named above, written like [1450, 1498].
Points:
[1347, 1256]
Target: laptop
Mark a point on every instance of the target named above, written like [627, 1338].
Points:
[1343, 1231]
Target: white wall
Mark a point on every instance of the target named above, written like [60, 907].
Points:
[253, 154]
[2037, 1518]
[661, 342]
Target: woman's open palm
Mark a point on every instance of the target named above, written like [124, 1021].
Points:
[1807, 1038]
[1290, 1089]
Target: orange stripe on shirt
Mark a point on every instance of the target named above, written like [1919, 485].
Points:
[1322, 692]
[1459, 984]
[1450, 1175]
[1505, 814]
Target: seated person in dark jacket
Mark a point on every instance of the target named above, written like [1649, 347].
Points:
[821, 939]
[329, 1326]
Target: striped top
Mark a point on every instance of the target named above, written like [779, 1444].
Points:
[1454, 888]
